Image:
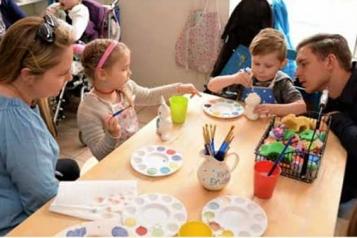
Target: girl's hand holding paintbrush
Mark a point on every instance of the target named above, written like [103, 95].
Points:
[111, 123]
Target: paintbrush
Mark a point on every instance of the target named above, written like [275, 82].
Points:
[120, 111]
[323, 103]
[281, 156]
[225, 144]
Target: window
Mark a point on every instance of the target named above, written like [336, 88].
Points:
[308, 17]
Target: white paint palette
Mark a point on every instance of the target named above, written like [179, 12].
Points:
[154, 215]
[234, 216]
[223, 108]
[156, 160]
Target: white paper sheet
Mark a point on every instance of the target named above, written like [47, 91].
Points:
[94, 199]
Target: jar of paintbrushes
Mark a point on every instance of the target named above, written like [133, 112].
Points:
[214, 173]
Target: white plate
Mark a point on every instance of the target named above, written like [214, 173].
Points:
[156, 160]
[154, 214]
[223, 108]
[235, 216]
[105, 227]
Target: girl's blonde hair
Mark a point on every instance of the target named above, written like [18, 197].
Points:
[94, 51]
[21, 48]
[268, 41]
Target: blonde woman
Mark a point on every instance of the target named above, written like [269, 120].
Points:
[36, 56]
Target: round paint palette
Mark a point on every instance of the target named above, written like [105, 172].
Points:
[156, 160]
[234, 216]
[105, 227]
[154, 215]
[223, 108]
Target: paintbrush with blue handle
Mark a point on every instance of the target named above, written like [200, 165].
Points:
[281, 156]
[120, 111]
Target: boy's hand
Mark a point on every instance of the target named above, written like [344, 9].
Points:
[188, 88]
[111, 124]
[264, 109]
[244, 78]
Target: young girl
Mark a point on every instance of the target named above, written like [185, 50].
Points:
[280, 97]
[74, 13]
[107, 63]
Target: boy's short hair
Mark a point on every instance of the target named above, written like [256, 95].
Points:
[324, 44]
[268, 41]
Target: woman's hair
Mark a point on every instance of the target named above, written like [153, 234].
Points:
[33, 43]
[269, 41]
[94, 51]
[324, 44]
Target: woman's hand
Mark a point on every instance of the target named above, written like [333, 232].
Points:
[111, 124]
[188, 88]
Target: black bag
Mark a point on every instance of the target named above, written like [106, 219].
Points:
[247, 19]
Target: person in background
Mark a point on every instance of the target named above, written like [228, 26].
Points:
[36, 56]
[107, 64]
[74, 13]
[324, 61]
[268, 50]
[9, 14]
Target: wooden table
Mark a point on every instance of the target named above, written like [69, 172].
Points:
[296, 208]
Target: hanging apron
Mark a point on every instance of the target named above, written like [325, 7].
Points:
[198, 45]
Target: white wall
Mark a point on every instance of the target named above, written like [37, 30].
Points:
[308, 17]
[33, 7]
[150, 28]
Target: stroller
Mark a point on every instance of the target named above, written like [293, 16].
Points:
[104, 23]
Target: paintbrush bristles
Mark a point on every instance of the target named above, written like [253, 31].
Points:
[230, 132]
[214, 131]
[209, 132]
[205, 137]
[230, 139]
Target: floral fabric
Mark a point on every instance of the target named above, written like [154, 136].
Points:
[199, 43]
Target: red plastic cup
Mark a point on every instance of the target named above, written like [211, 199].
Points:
[263, 184]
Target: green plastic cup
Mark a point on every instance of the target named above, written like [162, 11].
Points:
[178, 106]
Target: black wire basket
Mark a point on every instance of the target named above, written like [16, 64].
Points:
[299, 163]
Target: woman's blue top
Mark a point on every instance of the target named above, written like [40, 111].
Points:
[28, 156]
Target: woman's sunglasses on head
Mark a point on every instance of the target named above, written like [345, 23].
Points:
[46, 32]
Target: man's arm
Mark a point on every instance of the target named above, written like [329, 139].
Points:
[346, 130]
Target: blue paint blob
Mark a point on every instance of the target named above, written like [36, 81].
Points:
[118, 231]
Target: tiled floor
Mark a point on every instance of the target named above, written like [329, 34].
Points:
[71, 147]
